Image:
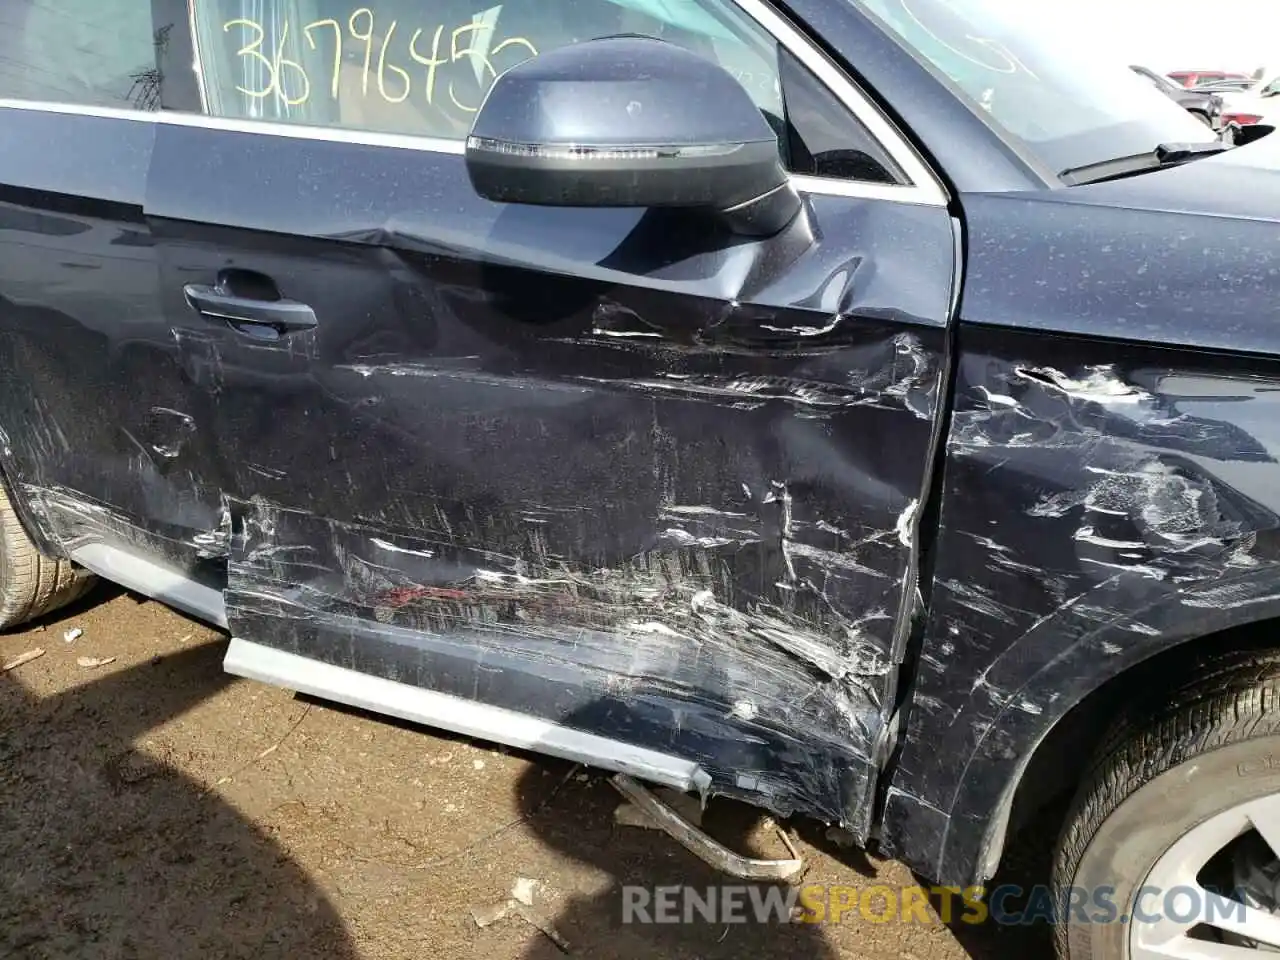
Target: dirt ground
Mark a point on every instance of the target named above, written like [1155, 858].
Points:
[156, 807]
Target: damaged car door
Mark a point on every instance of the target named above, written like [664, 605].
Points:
[616, 483]
[100, 452]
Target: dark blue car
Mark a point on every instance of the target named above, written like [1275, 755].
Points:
[855, 407]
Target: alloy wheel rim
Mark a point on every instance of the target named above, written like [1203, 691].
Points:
[1179, 917]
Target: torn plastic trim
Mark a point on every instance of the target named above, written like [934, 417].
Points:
[700, 844]
[466, 717]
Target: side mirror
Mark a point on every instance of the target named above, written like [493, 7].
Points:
[630, 122]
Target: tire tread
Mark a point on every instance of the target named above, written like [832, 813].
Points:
[1232, 698]
[31, 583]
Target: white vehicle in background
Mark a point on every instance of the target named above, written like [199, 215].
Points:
[1258, 103]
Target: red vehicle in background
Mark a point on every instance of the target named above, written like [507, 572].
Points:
[1195, 78]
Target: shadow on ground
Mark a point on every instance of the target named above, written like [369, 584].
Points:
[597, 925]
[1024, 871]
[110, 852]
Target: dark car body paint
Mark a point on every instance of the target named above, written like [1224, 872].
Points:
[1110, 473]
[539, 459]
[543, 459]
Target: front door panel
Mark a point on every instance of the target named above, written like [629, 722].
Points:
[613, 469]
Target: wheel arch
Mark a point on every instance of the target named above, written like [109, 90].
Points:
[29, 514]
[1062, 745]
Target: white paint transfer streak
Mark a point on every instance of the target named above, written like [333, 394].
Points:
[832, 558]
[699, 511]
[977, 600]
[1087, 535]
[805, 331]
[1142, 628]
[684, 538]
[1227, 598]
[624, 334]
[903, 526]
[997, 399]
[1101, 384]
[469, 375]
[1153, 573]
[385, 545]
[985, 542]
[661, 629]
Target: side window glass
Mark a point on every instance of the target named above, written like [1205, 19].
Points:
[91, 52]
[395, 66]
[823, 138]
[402, 66]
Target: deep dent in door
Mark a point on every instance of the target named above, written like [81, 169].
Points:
[655, 486]
[763, 625]
[751, 624]
[762, 617]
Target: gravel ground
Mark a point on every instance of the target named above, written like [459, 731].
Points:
[155, 807]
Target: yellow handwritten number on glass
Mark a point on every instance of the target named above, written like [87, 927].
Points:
[337, 50]
[367, 37]
[361, 27]
[383, 67]
[274, 67]
[281, 63]
[471, 53]
[253, 51]
[431, 63]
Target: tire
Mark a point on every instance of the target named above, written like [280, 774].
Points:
[32, 584]
[1184, 768]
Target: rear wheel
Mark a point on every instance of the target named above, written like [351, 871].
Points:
[32, 584]
[1178, 827]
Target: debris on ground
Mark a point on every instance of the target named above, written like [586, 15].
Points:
[72, 635]
[772, 824]
[478, 764]
[523, 889]
[629, 815]
[94, 662]
[519, 904]
[668, 819]
[22, 658]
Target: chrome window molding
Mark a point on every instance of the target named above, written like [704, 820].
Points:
[269, 127]
[924, 188]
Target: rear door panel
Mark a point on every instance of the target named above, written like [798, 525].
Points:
[603, 467]
[98, 433]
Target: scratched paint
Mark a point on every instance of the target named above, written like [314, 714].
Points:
[735, 600]
[701, 558]
[646, 479]
[1093, 512]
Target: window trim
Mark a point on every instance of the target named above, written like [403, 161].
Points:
[924, 187]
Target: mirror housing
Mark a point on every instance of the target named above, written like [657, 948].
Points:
[629, 122]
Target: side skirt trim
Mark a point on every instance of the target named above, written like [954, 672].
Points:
[152, 580]
[466, 717]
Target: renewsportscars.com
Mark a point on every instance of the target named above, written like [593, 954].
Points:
[1006, 905]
